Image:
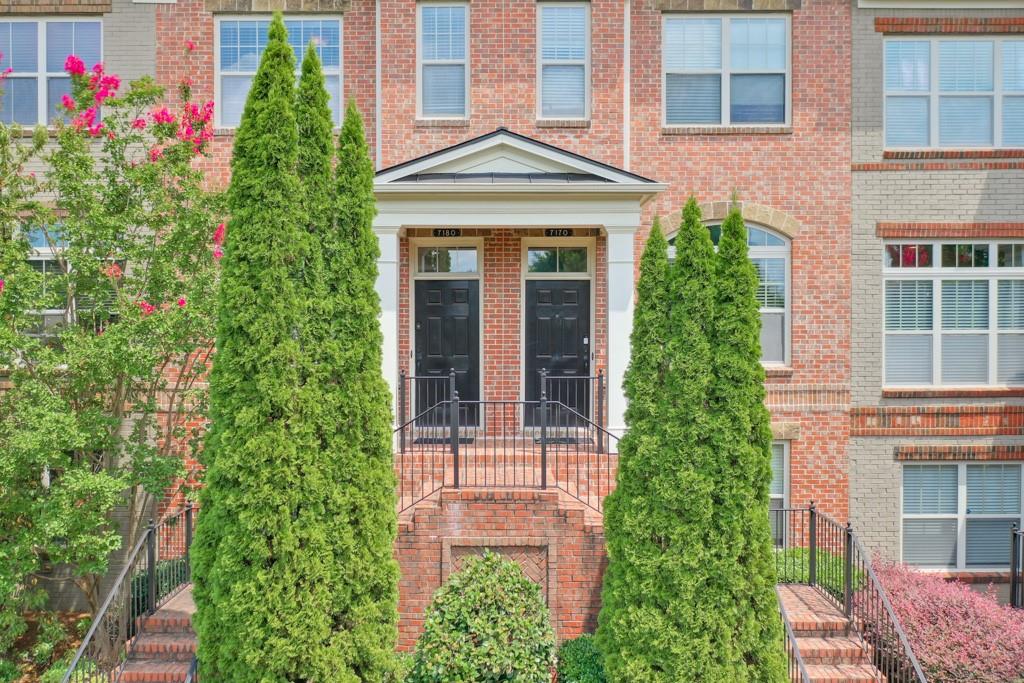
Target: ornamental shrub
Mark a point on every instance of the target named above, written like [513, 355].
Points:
[487, 623]
[579, 661]
[958, 634]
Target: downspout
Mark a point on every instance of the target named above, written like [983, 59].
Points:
[378, 133]
[626, 84]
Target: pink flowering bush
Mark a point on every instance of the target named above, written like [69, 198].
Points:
[958, 634]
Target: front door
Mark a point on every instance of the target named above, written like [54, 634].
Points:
[558, 340]
[447, 338]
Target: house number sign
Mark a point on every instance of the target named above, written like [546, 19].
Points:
[558, 232]
[447, 232]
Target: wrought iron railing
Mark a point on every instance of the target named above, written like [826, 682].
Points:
[814, 549]
[503, 444]
[795, 663]
[193, 671]
[1016, 566]
[155, 570]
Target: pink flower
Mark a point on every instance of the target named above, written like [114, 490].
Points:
[87, 119]
[155, 153]
[68, 102]
[218, 235]
[113, 271]
[74, 66]
[1, 285]
[181, 302]
[218, 253]
[97, 68]
[96, 130]
[139, 123]
[146, 308]
[163, 116]
[189, 46]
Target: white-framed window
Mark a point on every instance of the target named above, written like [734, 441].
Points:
[959, 92]
[954, 313]
[563, 60]
[726, 70]
[240, 42]
[442, 71]
[778, 492]
[770, 253]
[958, 515]
[45, 257]
[35, 50]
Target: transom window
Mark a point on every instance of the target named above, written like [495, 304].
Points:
[240, 47]
[725, 70]
[954, 92]
[564, 60]
[556, 260]
[954, 313]
[443, 77]
[35, 52]
[770, 254]
[959, 515]
[447, 259]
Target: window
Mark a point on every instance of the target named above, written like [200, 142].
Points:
[556, 260]
[563, 63]
[447, 260]
[45, 258]
[443, 74]
[35, 52]
[726, 70]
[954, 92]
[770, 255]
[954, 314]
[959, 515]
[240, 45]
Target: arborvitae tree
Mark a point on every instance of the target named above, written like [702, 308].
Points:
[262, 552]
[666, 612]
[743, 447]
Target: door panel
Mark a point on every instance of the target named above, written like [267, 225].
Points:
[447, 337]
[557, 326]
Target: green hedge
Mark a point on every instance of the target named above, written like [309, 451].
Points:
[579, 661]
[793, 566]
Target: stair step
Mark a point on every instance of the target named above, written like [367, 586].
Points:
[832, 650]
[165, 647]
[167, 623]
[843, 673]
[154, 672]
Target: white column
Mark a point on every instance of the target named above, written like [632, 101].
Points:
[387, 290]
[620, 321]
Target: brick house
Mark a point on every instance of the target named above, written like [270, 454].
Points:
[524, 149]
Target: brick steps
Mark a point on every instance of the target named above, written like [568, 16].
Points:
[177, 647]
[150, 671]
[832, 650]
[164, 650]
[843, 673]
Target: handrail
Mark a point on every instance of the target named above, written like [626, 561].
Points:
[193, 669]
[1016, 560]
[140, 588]
[797, 669]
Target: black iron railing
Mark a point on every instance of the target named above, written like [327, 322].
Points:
[503, 444]
[1016, 566]
[814, 549]
[193, 671]
[155, 570]
[795, 663]
[585, 395]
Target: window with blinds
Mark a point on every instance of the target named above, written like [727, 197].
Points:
[959, 515]
[954, 92]
[240, 45]
[956, 320]
[778, 493]
[443, 71]
[564, 60]
[725, 70]
[35, 51]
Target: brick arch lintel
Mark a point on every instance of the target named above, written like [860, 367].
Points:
[769, 217]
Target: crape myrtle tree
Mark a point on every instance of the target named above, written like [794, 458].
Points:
[294, 576]
[107, 293]
[671, 603]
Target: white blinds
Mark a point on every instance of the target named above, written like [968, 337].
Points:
[964, 304]
[444, 89]
[966, 65]
[993, 489]
[907, 65]
[563, 51]
[693, 44]
[757, 44]
[965, 121]
[693, 98]
[63, 38]
[563, 32]
[929, 489]
[906, 121]
[930, 542]
[908, 305]
[778, 487]
[443, 57]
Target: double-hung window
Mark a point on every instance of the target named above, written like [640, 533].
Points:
[778, 493]
[954, 92]
[35, 51]
[954, 313]
[240, 45]
[46, 258]
[564, 60]
[958, 515]
[443, 73]
[726, 70]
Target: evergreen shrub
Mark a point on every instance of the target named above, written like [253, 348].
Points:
[579, 661]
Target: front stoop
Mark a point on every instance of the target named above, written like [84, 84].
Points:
[831, 650]
[164, 650]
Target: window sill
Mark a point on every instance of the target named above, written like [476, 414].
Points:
[955, 392]
[970, 575]
[777, 371]
[953, 154]
[563, 123]
[442, 123]
[727, 130]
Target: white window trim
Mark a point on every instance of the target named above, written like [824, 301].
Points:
[465, 61]
[42, 75]
[725, 71]
[960, 516]
[933, 93]
[541, 62]
[217, 73]
[937, 274]
[785, 473]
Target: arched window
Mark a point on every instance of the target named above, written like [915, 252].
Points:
[770, 253]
